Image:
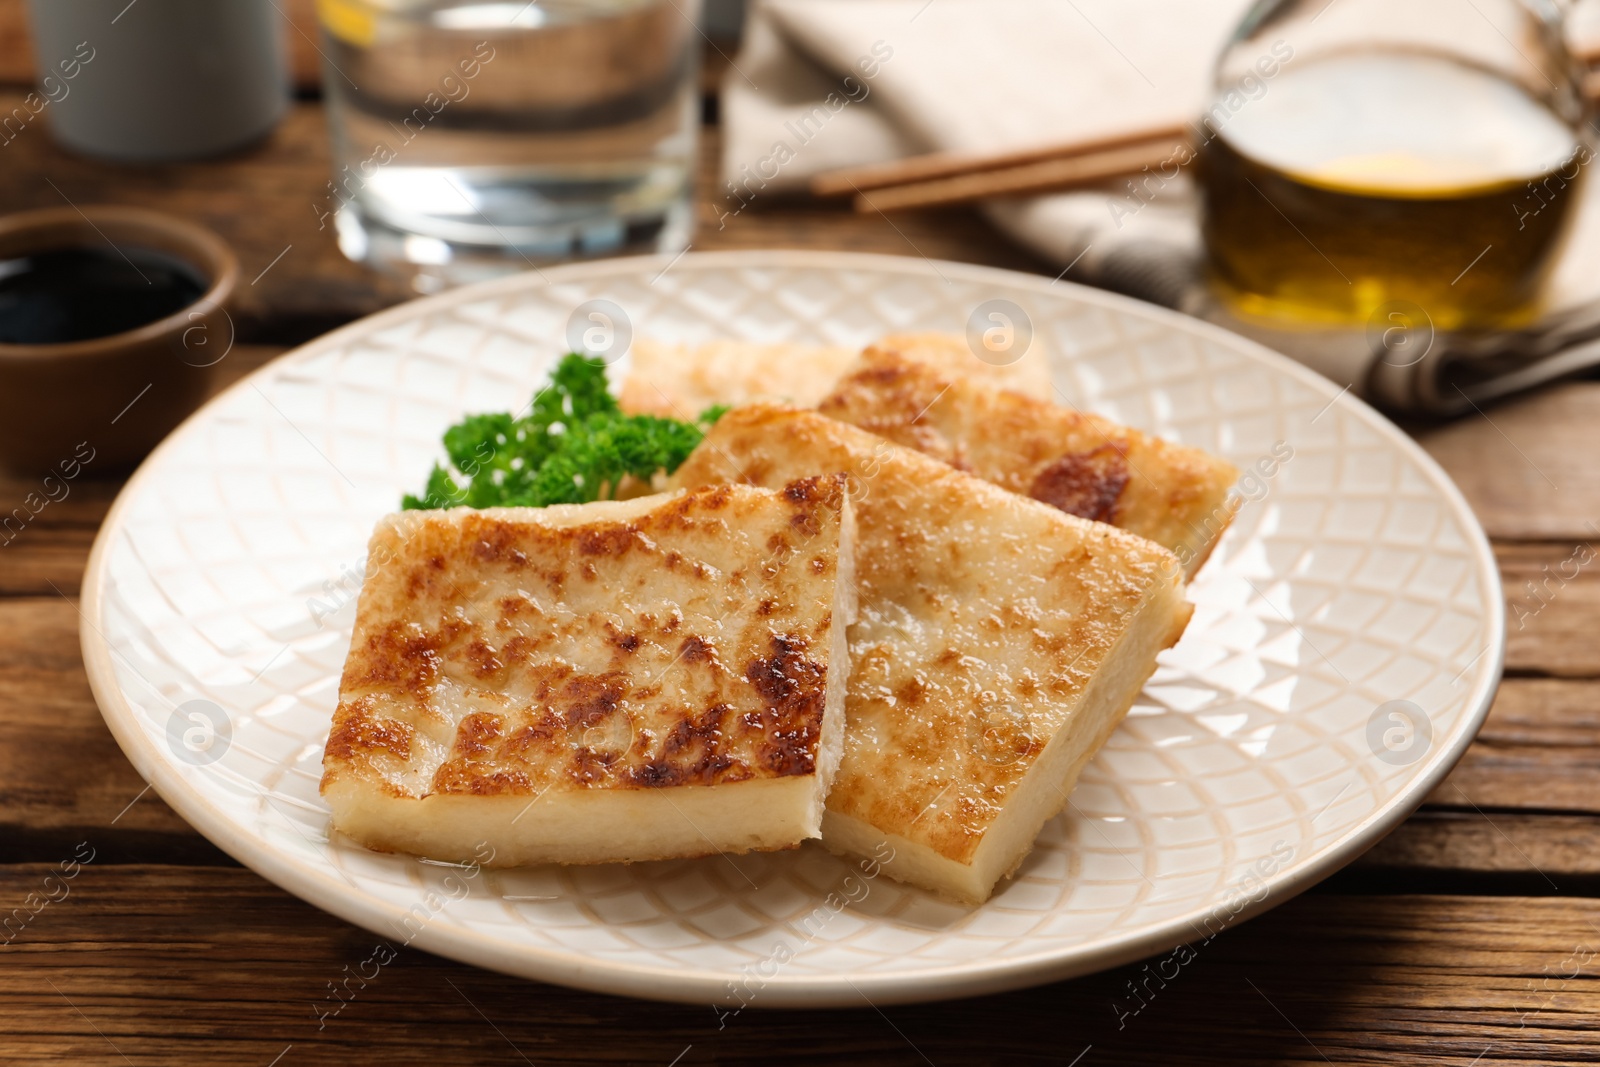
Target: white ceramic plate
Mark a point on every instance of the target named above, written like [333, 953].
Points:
[1263, 754]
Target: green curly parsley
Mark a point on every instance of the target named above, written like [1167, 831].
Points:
[573, 446]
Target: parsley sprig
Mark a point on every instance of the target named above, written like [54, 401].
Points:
[574, 445]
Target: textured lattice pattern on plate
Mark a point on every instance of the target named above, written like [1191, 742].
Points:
[229, 573]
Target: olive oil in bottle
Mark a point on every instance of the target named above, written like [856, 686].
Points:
[1361, 178]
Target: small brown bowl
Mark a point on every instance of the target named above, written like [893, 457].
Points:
[112, 398]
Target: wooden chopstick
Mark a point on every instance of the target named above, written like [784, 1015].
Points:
[950, 178]
[943, 178]
[937, 165]
[1052, 175]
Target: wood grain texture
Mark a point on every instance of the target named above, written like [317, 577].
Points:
[17, 59]
[267, 201]
[150, 965]
[47, 554]
[165, 952]
[1552, 620]
[1556, 852]
[16, 44]
[60, 768]
[301, 35]
[1538, 750]
[1527, 465]
[61, 773]
[261, 200]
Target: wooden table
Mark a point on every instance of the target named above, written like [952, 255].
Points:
[1470, 936]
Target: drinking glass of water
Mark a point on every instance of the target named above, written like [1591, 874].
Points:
[473, 138]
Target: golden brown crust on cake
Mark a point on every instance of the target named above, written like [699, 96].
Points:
[984, 619]
[1081, 464]
[507, 652]
[681, 381]
[950, 353]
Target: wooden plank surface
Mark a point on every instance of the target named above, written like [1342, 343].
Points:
[1550, 624]
[1541, 531]
[1455, 980]
[267, 201]
[1524, 466]
[61, 770]
[1471, 936]
[17, 63]
[1539, 751]
[264, 201]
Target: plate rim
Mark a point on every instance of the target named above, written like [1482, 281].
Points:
[565, 967]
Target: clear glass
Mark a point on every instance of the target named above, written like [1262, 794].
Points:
[472, 139]
[1361, 156]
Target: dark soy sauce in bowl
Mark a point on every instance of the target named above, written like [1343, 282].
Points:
[111, 320]
[78, 294]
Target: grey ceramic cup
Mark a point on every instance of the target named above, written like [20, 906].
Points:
[158, 80]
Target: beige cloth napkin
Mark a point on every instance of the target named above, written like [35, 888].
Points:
[822, 84]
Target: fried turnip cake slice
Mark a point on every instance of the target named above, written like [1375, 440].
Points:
[681, 381]
[625, 680]
[951, 353]
[999, 643]
[1085, 465]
